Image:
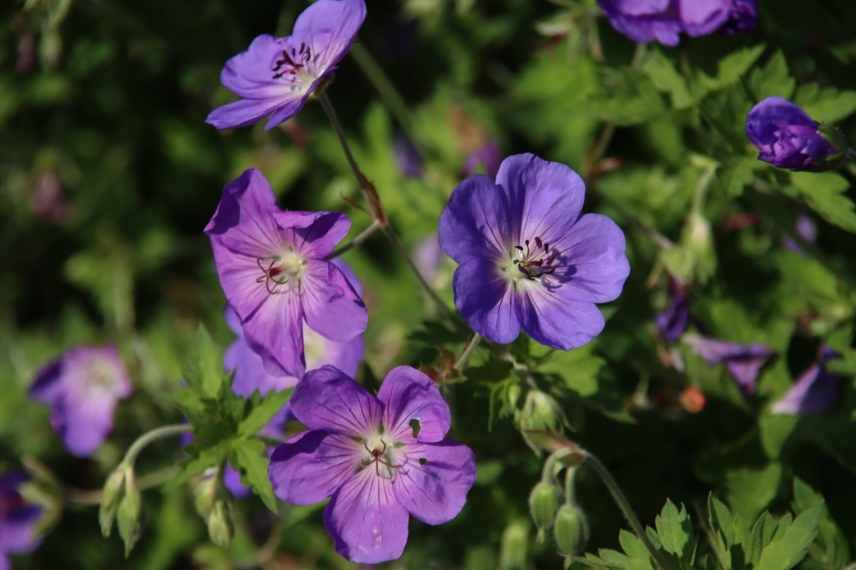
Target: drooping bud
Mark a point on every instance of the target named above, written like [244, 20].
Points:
[128, 514]
[204, 494]
[515, 539]
[571, 530]
[540, 412]
[110, 496]
[219, 521]
[543, 503]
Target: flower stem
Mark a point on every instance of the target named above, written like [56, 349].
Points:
[462, 360]
[90, 498]
[623, 504]
[359, 239]
[151, 436]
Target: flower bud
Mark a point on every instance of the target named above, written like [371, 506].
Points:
[543, 503]
[571, 530]
[512, 554]
[541, 412]
[219, 522]
[128, 514]
[204, 493]
[110, 496]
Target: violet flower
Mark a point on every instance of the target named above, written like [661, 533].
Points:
[673, 321]
[18, 519]
[786, 136]
[273, 269]
[275, 76]
[528, 259]
[407, 157]
[664, 20]
[82, 388]
[485, 159]
[379, 459]
[743, 361]
[814, 392]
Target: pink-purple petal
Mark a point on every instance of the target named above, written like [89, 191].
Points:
[275, 332]
[330, 304]
[556, 320]
[329, 28]
[244, 112]
[407, 395]
[312, 466]
[477, 221]
[486, 300]
[328, 399]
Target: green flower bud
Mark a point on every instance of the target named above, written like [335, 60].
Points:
[543, 503]
[110, 496]
[541, 412]
[512, 552]
[204, 493]
[128, 514]
[571, 530]
[220, 528]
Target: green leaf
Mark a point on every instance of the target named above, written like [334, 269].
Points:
[203, 459]
[825, 193]
[724, 528]
[628, 97]
[773, 79]
[733, 66]
[750, 490]
[666, 78]
[826, 104]
[204, 367]
[250, 458]
[674, 529]
[790, 547]
[262, 413]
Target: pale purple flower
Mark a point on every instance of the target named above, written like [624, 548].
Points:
[484, 160]
[82, 388]
[379, 459]
[275, 76]
[786, 136]
[428, 257]
[528, 259]
[806, 234]
[673, 321]
[743, 361]
[18, 519]
[814, 392]
[273, 269]
[407, 158]
[664, 20]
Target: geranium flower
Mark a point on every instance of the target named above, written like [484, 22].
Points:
[275, 76]
[814, 392]
[528, 259]
[673, 321]
[743, 361]
[786, 136]
[18, 519]
[379, 459]
[82, 388]
[273, 269]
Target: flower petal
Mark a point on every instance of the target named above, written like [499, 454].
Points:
[433, 486]
[312, 466]
[328, 399]
[84, 419]
[477, 221]
[594, 259]
[249, 74]
[331, 305]
[316, 233]
[407, 394]
[548, 195]
[486, 301]
[275, 332]
[329, 27]
[744, 361]
[245, 112]
[366, 521]
[250, 374]
[814, 392]
[703, 17]
[555, 320]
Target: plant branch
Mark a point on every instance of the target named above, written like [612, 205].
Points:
[358, 240]
[465, 355]
[151, 436]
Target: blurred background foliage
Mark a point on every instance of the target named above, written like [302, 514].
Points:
[108, 175]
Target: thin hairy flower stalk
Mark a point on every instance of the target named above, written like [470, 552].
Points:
[624, 505]
[152, 436]
[570, 493]
[92, 498]
[358, 240]
[701, 188]
[465, 355]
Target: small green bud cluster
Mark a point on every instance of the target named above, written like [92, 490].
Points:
[121, 502]
[213, 506]
[568, 522]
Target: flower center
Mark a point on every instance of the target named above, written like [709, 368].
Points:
[295, 65]
[531, 260]
[383, 454]
[281, 272]
[101, 376]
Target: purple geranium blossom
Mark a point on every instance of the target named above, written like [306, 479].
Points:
[528, 259]
[743, 361]
[814, 392]
[664, 20]
[82, 387]
[379, 459]
[786, 136]
[276, 76]
[673, 321]
[18, 518]
[273, 269]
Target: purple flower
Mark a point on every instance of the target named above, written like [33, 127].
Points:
[743, 361]
[528, 259]
[806, 234]
[786, 136]
[407, 158]
[273, 269]
[379, 459]
[485, 159]
[82, 387]
[18, 518]
[664, 20]
[428, 257]
[672, 322]
[815, 392]
[276, 76]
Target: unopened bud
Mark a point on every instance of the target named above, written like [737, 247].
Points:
[219, 521]
[543, 503]
[541, 412]
[128, 514]
[512, 554]
[571, 530]
[110, 496]
[204, 493]
[699, 238]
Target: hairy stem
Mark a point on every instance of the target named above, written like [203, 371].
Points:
[92, 498]
[358, 240]
[151, 436]
[465, 355]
